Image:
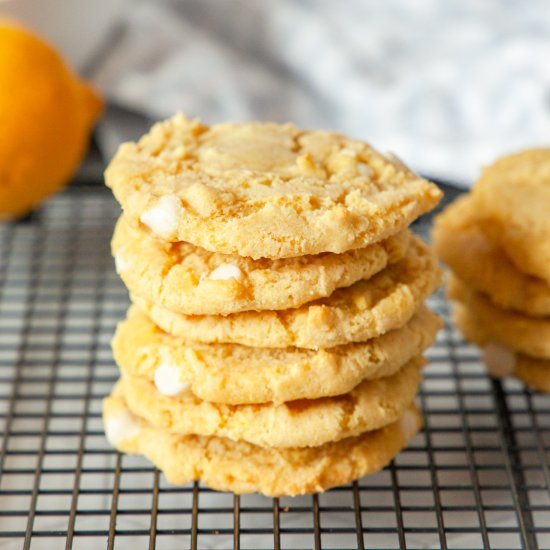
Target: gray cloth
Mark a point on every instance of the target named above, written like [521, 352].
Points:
[447, 86]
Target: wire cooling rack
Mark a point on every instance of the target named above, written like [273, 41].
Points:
[476, 477]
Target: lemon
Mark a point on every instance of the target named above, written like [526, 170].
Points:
[46, 115]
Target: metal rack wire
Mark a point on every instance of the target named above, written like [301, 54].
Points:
[478, 476]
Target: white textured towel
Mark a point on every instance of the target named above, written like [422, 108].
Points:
[447, 86]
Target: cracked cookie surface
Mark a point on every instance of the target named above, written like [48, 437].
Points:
[193, 281]
[241, 467]
[302, 423]
[235, 374]
[364, 310]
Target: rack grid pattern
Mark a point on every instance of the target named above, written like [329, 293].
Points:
[478, 476]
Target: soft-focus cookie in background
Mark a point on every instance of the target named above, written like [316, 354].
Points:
[512, 198]
[482, 265]
[496, 241]
[503, 361]
[529, 335]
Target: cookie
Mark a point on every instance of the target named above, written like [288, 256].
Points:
[512, 198]
[466, 249]
[501, 361]
[528, 335]
[194, 281]
[240, 467]
[265, 190]
[235, 374]
[533, 372]
[357, 313]
[303, 423]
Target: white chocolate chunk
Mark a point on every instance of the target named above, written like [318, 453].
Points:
[120, 426]
[224, 272]
[163, 218]
[364, 170]
[167, 380]
[347, 152]
[121, 263]
[408, 424]
[500, 361]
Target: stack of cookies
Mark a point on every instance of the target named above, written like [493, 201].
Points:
[496, 241]
[276, 334]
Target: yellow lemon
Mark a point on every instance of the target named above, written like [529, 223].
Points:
[46, 114]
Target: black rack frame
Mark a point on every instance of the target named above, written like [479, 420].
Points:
[478, 476]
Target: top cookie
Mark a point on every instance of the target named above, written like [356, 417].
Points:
[512, 198]
[264, 190]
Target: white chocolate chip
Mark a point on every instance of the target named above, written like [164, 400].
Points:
[121, 263]
[120, 426]
[163, 218]
[224, 272]
[179, 151]
[500, 361]
[409, 424]
[167, 380]
[364, 170]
